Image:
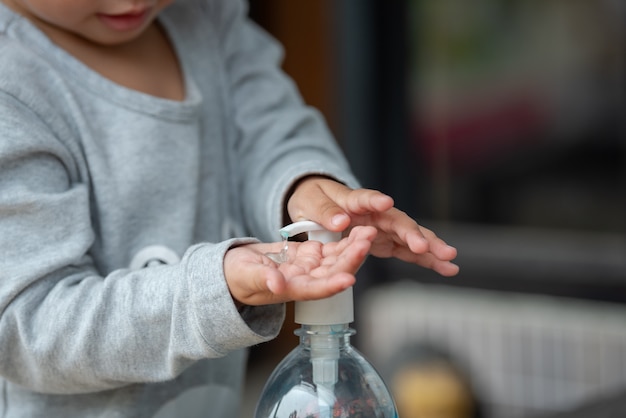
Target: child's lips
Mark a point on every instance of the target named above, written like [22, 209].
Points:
[125, 21]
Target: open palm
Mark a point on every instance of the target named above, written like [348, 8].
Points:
[312, 270]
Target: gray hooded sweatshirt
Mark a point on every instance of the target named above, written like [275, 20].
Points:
[116, 210]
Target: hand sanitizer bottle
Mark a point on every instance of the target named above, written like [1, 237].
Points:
[324, 376]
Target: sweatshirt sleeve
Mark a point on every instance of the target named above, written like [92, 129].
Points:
[64, 327]
[280, 138]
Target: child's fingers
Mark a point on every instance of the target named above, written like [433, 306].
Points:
[443, 267]
[311, 201]
[347, 261]
[364, 201]
[439, 261]
[358, 233]
[357, 201]
[345, 255]
[337, 264]
[437, 246]
[332, 204]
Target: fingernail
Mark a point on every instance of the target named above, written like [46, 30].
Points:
[339, 219]
[271, 286]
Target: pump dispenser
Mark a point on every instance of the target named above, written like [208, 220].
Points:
[324, 376]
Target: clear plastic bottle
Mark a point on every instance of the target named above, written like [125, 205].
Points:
[324, 376]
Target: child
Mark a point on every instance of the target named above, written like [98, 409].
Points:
[137, 140]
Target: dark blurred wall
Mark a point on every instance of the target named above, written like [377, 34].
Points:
[498, 123]
[305, 29]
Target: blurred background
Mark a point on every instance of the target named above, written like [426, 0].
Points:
[501, 125]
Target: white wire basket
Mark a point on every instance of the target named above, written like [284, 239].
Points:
[527, 355]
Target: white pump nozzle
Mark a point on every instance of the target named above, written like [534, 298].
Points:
[320, 316]
[316, 231]
[337, 309]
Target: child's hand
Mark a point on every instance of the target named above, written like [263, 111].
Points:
[312, 271]
[338, 207]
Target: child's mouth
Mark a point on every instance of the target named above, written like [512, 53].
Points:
[124, 22]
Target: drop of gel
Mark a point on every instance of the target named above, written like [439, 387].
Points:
[282, 256]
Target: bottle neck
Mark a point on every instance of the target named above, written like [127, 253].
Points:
[325, 345]
[325, 336]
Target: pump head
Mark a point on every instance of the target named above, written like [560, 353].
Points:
[337, 309]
